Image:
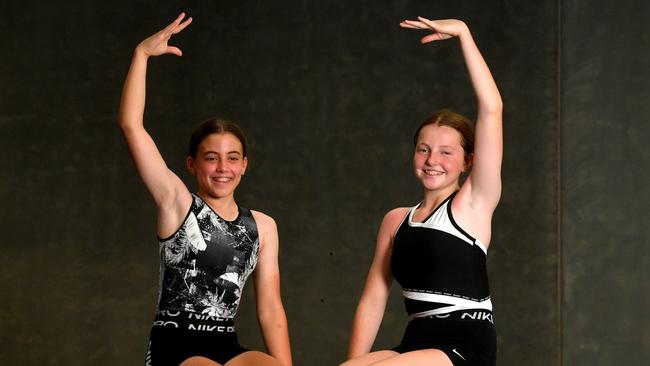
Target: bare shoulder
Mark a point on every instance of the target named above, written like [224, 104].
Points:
[393, 219]
[264, 222]
[387, 230]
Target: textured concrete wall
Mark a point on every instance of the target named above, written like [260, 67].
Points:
[605, 156]
[329, 93]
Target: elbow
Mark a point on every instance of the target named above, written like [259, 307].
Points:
[127, 128]
[124, 125]
[490, 103]
[497, 106]
[493, 107]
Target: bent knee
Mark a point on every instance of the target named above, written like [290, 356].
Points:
[199, 361]
[370, 358]
[253, 358]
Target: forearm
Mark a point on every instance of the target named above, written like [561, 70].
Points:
[367, 320]
[273, 322]
[487, 93]
[161, 183]
[134, 92]
[488, 144]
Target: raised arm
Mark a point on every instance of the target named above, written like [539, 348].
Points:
[484, 182]
[370, 310]
[169, 193]
[270, 311]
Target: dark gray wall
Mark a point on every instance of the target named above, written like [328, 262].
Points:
[605, 197]
[329, 93]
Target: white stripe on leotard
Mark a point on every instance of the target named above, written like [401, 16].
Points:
[456, 303]
[441, 220]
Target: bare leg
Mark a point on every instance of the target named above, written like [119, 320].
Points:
[370, 358]
[253, 358]
[199, 361]
[424, 357]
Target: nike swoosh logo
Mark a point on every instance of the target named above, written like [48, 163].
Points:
[459, 355]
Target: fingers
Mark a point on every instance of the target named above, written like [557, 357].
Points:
[174, 28]
[428, 23]
[157, 44]
[441, 29]
[413, 24]
[174, 51]
[423, 23]
[177, 25]
[179, 18]
[183, 25]
[431, 38]
[170, 28]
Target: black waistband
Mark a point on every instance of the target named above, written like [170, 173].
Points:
[472, 314]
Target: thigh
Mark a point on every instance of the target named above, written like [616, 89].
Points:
[464, 342]
[253, 358]
[199, 361]
[423, 357]
[370, 358]
[174, 347]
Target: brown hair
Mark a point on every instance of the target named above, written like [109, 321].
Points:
[458, 122]
[215, 125]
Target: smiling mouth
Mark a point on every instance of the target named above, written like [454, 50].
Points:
[222, 179]
[433, 173]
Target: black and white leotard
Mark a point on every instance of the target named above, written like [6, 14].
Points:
[204, 267]
[443, 275]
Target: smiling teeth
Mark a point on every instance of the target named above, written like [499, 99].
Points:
[222, 180]
[433, 172]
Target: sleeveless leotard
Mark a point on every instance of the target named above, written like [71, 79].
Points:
[443, 275]
[203, 269]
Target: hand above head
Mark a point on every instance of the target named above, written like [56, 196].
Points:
[442, 29]
[156, 45]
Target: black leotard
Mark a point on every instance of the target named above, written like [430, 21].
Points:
[442, 271]
[204, 266]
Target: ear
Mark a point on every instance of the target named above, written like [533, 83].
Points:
[189, 163]
[245, 163]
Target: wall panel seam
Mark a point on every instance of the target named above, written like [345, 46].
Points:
[558, 190]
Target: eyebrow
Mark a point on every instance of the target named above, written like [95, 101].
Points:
[229, 152]
[446, 146]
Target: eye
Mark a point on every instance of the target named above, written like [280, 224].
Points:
[233, 158]
[423, 150]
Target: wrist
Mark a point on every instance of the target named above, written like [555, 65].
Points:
[464, 32]
[139, 52]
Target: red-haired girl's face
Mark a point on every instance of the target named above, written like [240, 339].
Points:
[439, 157]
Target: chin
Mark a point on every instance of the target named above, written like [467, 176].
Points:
[433, 186]
[221, 193]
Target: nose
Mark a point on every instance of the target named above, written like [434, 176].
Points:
[431, 159]
[221, 165]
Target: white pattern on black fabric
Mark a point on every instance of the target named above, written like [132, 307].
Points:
[205, 264]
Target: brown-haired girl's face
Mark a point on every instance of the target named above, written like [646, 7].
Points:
[219, 165]
[439, 157]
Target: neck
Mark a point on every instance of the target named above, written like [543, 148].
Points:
[224, 206]
[433, 199]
